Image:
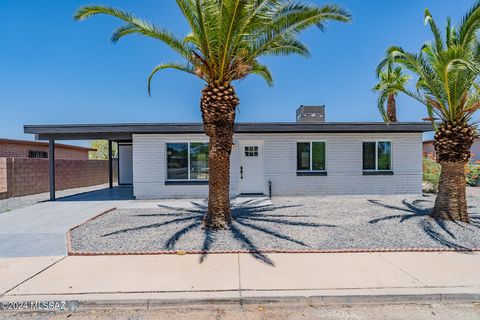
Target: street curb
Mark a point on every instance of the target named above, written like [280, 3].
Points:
[79, 305]
[326, 300]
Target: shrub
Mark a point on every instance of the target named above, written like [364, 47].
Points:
[472, 173]
[431, 174]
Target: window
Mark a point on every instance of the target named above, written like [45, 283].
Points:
[199, 161]
[38, 154]
[251, 151]
[311, 156]
[187, 161]
[377, 156]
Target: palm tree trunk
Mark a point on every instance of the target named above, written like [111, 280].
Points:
[218, 105]
[391, 108]
[452, 147]
[451, 202]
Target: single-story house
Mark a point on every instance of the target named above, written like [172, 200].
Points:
[429, 149]
[10, 148]
[168, 160]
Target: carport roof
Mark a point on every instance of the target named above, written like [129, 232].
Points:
[124, 132]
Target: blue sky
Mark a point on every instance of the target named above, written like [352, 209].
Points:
[55, 70]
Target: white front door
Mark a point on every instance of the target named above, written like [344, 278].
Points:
[125, 164]
[251, 168]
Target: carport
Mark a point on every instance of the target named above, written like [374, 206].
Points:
[119, 134]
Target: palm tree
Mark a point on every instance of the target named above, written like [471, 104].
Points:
[390, 78]
[447, 70]
[227, 39]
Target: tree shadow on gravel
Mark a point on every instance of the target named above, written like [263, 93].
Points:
[436, 229]
[247, 216]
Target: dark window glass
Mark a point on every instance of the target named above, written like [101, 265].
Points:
[303, 156]
[318, 155]
[199, 161]
[251, 151]
[177, 161]
[384, 155]
[369, 156]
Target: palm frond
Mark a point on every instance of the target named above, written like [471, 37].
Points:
[447, 70]
[177, 66]
[135, 25]
[227, 37]
[436, 32]
[263, 71]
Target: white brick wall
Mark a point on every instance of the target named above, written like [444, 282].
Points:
[344, 165]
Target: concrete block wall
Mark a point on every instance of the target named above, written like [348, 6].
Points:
[23, 176]
[3, 178]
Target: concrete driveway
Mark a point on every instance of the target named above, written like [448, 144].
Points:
[39, 230]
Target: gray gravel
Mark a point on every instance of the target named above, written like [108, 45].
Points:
[303, 223]
[25, 201]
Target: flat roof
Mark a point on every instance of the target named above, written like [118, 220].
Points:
[123, 132]
[41, 143]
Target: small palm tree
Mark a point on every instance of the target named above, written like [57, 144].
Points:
[447, 73]
[227, 39]
[390, 78]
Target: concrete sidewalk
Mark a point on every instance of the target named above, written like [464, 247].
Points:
[240, 278]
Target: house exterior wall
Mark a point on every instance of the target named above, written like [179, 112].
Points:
[20, 150]
[344, 165]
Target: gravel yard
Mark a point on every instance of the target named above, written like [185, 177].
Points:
[293, 223]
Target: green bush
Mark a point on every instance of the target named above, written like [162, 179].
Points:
[472, 173]
[431, 174]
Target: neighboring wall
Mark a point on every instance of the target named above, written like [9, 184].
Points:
[344, 165]
[476, 150]
[23, 176]
[428, 149]
[20, 149]
[3, 177]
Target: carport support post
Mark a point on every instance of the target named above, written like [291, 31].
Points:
[51, 166]
[110, 165]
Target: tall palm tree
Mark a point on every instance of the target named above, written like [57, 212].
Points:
[226, 40]
[448, 72]
[390, 78]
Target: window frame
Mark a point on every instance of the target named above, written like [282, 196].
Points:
[311, 157]
[188, 162]
[376, 156]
